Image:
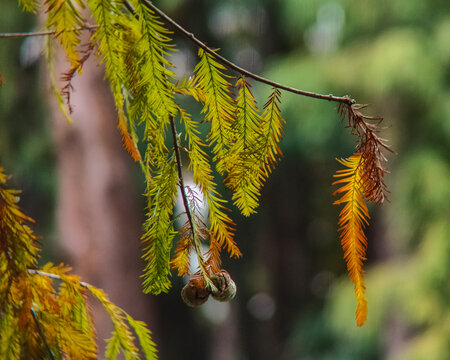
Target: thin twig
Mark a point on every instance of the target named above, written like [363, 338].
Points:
[54, 276]
[41, 335]
[180, 174]
[43, 33]
[340, 99]
[186, 202]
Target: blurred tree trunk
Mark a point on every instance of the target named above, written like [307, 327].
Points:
[98, 221]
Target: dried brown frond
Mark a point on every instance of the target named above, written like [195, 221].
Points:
[213, 260]
[67, 77]
[371, 147]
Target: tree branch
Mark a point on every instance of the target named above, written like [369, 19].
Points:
[340, 99]
[180, 175]
[54, 276]
[186, 205]
[43, 33]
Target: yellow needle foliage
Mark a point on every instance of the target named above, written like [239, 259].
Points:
[353, 218]
[63, 15]
[43, 311]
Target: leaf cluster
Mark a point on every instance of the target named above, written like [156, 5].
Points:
[44, 312]
[135, 46]
[363, 179]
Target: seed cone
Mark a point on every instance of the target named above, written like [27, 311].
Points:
[226, 288]
[194, 293]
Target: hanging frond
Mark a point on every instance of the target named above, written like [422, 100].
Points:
[64, 320]
[127, 139]
[144, 336]
[75, 334]
[189, 86]
[44, 313]
[272, 131]
[122, 338]
[221, 227]
[219, 107]
[213, 260]
[18, 250]
[29, 5]
[63, 16]
[353, 218]
[371, 147]
[112, 49]
[72, 299]
[181, 258]
[152, 70]
[11, 337]
[198, 159]
[243, 178]
[158, 228]
[256, 149]
[49, 53]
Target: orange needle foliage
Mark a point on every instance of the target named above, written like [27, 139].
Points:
[353, 218]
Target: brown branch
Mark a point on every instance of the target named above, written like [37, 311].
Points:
[55, 277]
[43, 33]
[186, 203]
[180, 174]
[67, 77]
[340, 99]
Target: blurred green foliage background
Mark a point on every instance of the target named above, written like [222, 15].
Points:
[295, 299]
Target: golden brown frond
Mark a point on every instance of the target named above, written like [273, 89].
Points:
[128, 142]
[371, 147]
[213, 260]
[353, 218]
[181, 258]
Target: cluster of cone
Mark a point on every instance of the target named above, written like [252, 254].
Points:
[196, 292]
